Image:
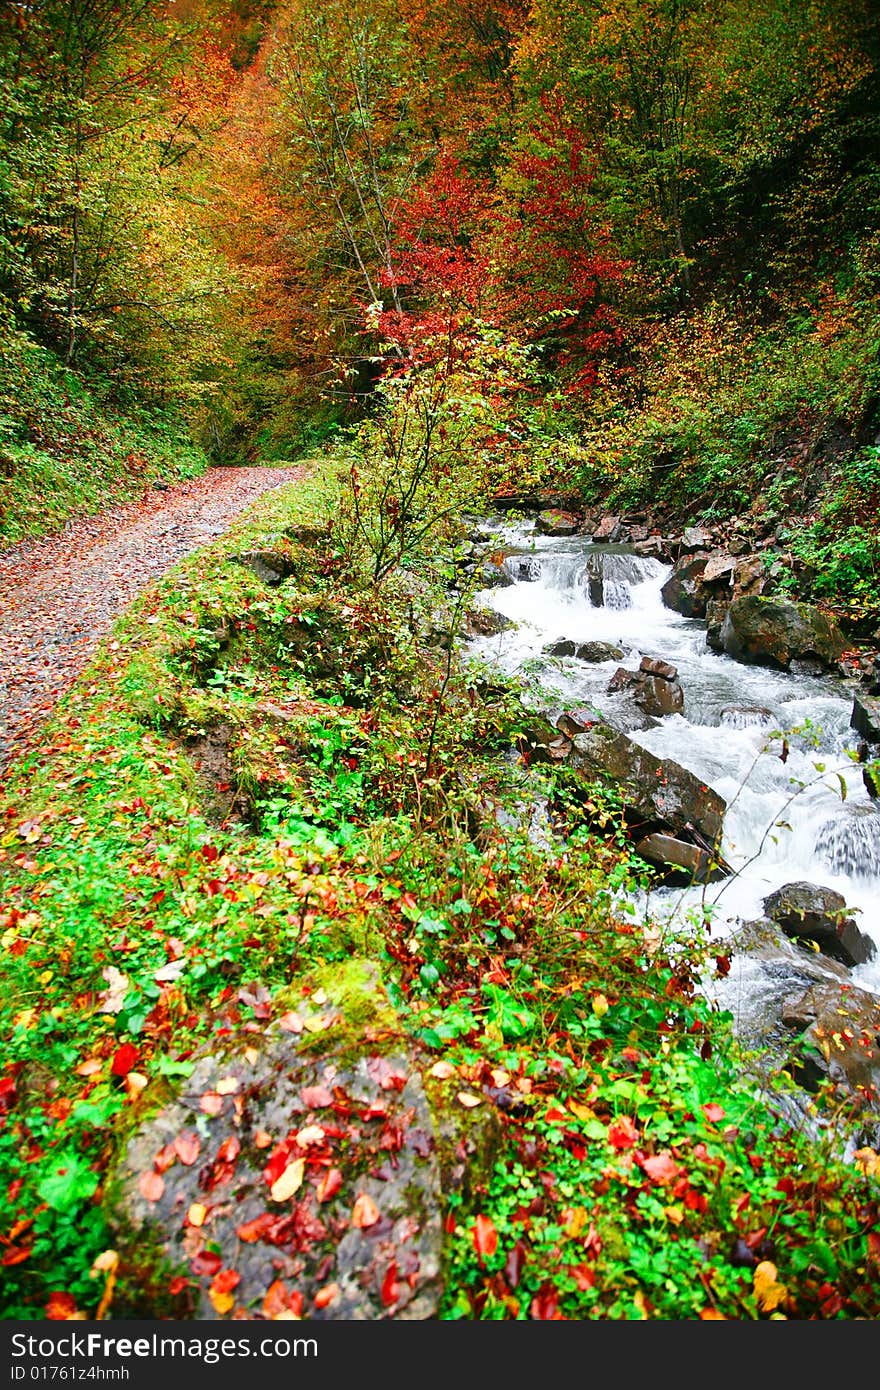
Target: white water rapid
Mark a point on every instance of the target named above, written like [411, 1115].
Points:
[786, 819]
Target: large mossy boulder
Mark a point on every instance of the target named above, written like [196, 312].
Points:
[774, 632]
[660, 794]
[298, 1172]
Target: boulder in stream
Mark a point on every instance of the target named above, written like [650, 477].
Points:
[841, 1038]
[557, 523]
[866, 717]
[774, 632]
[683, 591]
[655, 687]
[698, 865]
[609, 530]
[599, 651]
[660, 794]
[809, 912]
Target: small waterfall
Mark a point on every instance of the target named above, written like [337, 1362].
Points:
[746, 717]
[610, 576]
[850, 844]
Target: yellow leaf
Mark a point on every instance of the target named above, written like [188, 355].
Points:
[578, 1220]
[583, 1112]
[196, 1214]
[222, 1302]
[289, 1182]
[600, 1005]
[768, 1291]
[227, 1086]
[468, 1099]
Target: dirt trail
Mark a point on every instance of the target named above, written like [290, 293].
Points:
[61, 594]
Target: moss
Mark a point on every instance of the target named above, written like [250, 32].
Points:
[364, 1015]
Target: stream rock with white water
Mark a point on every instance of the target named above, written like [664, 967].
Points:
[777, 746]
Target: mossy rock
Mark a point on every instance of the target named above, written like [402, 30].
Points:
[297, 1171]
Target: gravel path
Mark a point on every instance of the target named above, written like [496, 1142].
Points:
[60, 595]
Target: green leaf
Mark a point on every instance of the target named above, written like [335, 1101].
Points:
[69, 1182]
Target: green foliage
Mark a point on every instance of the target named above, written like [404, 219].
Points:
[71, 445]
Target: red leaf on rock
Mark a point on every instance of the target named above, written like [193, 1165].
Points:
[485, 1236]
[229, 1150]
[151, 1186]
[316, 1097]
[390, 1286]
[254, 1230]
[329, 1185]
[187, 1146]
[125, 1060]
[364, 1213]
[206, 1262]
[226, 1281]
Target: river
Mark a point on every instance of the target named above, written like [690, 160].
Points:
[802, 816]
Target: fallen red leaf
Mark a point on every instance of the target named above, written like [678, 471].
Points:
[390, 1287]
[485, 1236]
[623, 1134]
[61, 1307]
[329, 1185]
[151, 1186]
[364, 1213]
[661, 1168]
[125, 1060]
[187, 1146]
[254, 1230]
[714, 1112]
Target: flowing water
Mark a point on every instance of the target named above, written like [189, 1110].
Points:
[806, 815]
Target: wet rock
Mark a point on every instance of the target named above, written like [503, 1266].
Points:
[599, 651]
[271, 567]
[303, 1163]
[810, 912]
[608, 531]
[576, 721]
[486, 622]
[866, 717]
[841, 1037]
[654, 666]
[557, 523]
[716, 612]
[654, 687]
[563, 646]
[661, 795]
[774, 632]
[654, 547]
[492, 573]
[523, 569]
[766, 941]
[720, 568]
[683, 591]
[697, 864]
[750, 576]
[695, 538]
[539, 741]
